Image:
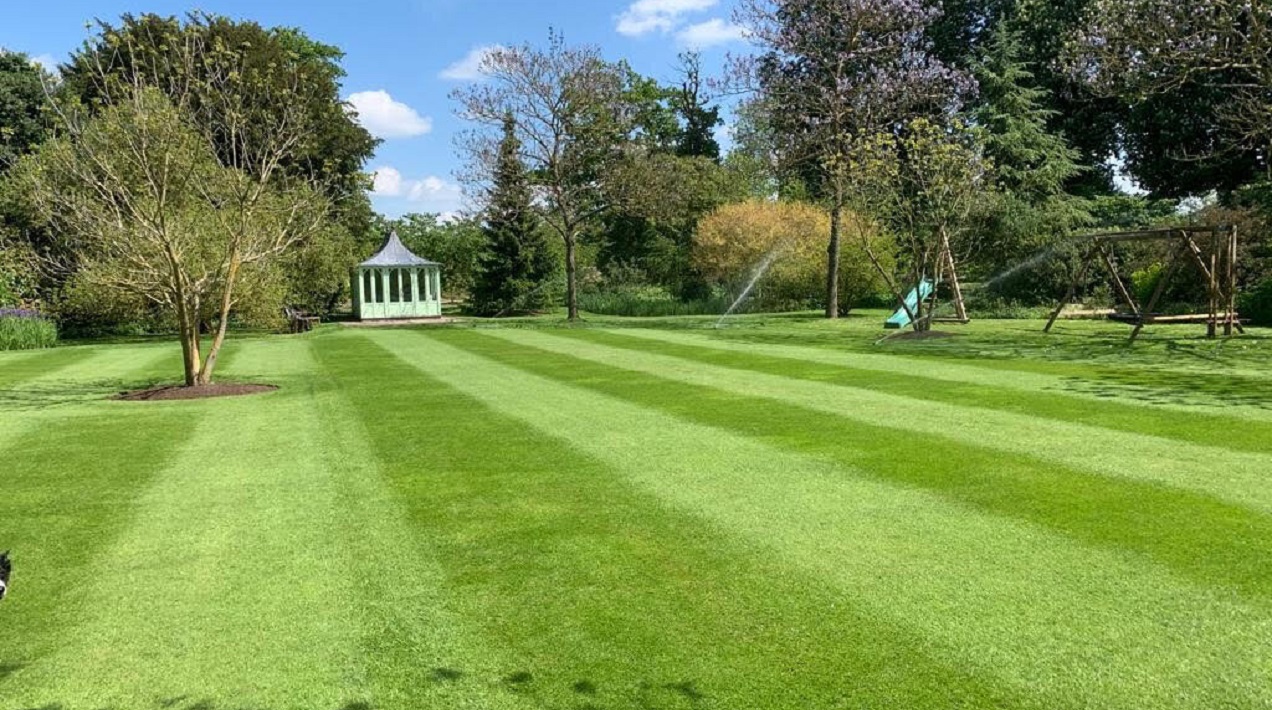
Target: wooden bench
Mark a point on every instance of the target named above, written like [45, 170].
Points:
[298, 321]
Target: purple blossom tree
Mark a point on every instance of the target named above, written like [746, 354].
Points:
[835, 72]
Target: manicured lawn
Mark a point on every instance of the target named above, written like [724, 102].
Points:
[782, 513]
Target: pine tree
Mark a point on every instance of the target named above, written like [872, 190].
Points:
[516, 264]
[1033, 164]
[1033, 167]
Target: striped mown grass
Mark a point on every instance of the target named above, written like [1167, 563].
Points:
[632, 518]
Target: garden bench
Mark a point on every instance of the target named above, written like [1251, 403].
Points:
[298, 321]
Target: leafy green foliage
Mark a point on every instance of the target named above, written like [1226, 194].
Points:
[698, 118]
[456, 244]
[1256, 303]
[1030, 162]
[240, 81]
[659, 201]
[1025, 221]
[23, 124]
[271, 68]
[155, 221]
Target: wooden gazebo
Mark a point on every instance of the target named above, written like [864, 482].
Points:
[396, 284]
[1211, 249]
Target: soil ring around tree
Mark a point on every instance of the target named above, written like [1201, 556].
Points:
[176, 392]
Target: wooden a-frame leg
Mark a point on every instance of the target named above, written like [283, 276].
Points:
[1073, 288]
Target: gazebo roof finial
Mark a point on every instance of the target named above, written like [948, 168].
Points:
[395, 253]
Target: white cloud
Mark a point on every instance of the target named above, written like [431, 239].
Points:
[47, 61]
[469, 68]
[385, 117]
[428, 194]
[645, 16]
[387, 181]
[711, 33]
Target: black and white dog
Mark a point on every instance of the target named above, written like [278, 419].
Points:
[6, 568]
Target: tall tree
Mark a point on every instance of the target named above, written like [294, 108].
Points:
[152, 216]
[248, 79]
[23, 124]
[834, 71]
[1091, 122]
[1030, 161]
[698, 117]
[516, 264]
[569, 106]
[290, 75]
[1146, 49]
[1033, 168]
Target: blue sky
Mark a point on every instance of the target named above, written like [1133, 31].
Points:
[404, 56]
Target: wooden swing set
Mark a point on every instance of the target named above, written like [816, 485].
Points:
[1212, 250]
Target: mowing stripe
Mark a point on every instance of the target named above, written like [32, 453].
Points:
[101, 373]
[1231, 392]
[67, 492]
[1236, 477]
[1214, 542]
[937, 385]
[240, 601]
[601, 595]
[16, 368]
[1111, 631]
[412, 642]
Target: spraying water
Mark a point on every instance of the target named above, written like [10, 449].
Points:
[1029, 263]
[762, 268]
[522, 299]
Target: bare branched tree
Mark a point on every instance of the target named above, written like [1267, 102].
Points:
[171, 189]
[568, 106]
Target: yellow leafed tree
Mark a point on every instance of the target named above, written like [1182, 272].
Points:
[736, 240]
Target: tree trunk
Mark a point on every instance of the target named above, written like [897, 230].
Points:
[189, 331]
[227, 300]
[832, 260]
[571, 279]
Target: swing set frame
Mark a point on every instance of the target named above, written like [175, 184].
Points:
[1211, 249]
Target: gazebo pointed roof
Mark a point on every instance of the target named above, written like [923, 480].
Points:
[395, 253]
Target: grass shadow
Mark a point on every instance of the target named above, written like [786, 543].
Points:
[57, 393]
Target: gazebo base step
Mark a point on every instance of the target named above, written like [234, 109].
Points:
[388, 322]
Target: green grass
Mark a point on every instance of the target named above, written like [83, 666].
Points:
[780, 513]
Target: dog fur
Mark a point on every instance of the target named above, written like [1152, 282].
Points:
[6, 568]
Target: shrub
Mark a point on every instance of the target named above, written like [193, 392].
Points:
[734, 240]
[651, 301]
[1256, 304]
[25, 330]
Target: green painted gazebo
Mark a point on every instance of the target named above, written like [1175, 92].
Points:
[396, 284]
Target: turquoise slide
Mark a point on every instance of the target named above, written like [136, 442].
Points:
[901, 319]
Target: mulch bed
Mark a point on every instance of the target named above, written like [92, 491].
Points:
[923, 335]
[172, 392]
